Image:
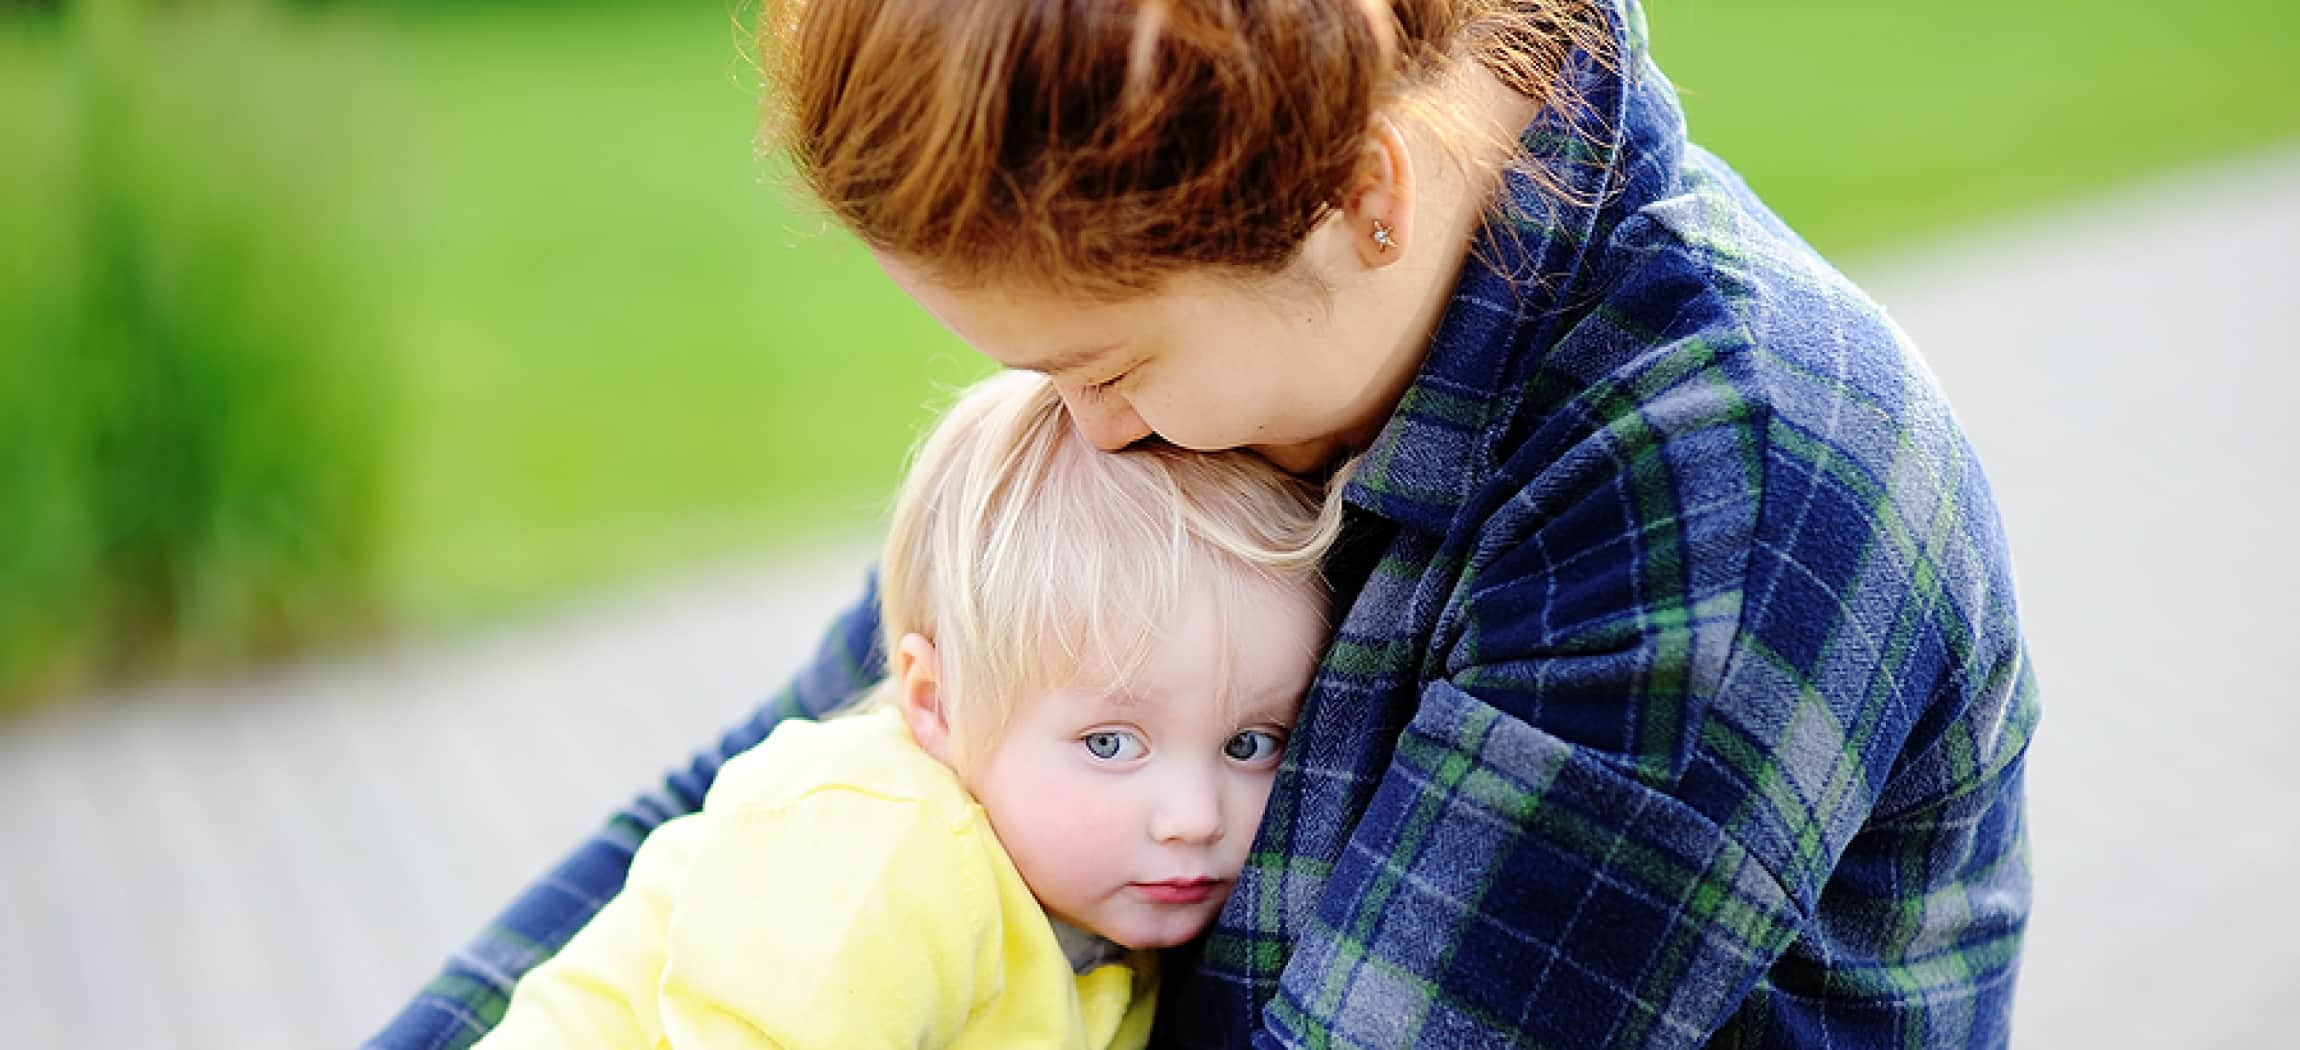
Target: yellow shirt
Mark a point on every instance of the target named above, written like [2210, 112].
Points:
[839, 888]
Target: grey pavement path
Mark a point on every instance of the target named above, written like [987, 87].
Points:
[279, 861]
[2129, 372]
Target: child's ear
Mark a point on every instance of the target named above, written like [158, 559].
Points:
[918, 681]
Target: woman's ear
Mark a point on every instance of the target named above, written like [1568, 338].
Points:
[918, 685]
[1378, 207]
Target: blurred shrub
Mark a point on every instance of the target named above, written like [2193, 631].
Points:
[189, 429]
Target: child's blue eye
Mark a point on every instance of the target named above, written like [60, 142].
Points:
[1111, 745]
[1253, 745]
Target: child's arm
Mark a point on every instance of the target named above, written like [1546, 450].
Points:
[466, 997]
[599, 991]
[843, 919]
[886, 935]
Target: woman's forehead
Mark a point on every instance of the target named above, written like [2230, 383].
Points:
[1023, 327]
[1030, 326]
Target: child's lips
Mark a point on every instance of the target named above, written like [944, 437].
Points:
[1180, 891]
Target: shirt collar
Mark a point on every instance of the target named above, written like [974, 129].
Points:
[1527, 275]
[1086, 950]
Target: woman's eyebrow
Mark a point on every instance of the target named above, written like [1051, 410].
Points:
[1074, 359]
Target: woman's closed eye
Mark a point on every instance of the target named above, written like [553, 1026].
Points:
[1107, 385]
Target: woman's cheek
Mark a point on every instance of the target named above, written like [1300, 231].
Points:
[1209, 424]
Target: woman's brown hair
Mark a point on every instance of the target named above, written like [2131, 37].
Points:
[1099, 146]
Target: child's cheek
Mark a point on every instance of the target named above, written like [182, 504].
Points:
[1078, 811]
[1073, 835]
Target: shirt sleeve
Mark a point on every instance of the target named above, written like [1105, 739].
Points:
[1652, 791]
[471, 991]
[1508, 888]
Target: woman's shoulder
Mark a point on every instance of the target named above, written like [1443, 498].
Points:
[1711, 334]
[1713, 267]
[1726, 415]
[1717, 388]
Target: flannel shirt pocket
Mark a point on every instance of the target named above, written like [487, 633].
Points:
[1508, 888]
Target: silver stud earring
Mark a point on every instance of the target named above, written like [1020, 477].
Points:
[1382, 238]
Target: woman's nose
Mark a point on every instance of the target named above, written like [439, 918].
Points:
[1107, 421]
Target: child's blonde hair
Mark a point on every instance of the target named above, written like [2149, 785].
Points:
[1028, 557]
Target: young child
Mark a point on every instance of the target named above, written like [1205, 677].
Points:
[1095, 661]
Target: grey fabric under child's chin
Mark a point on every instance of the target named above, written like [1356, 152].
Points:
[1086, 950]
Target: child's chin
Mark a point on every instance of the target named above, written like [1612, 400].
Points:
[1153, 936]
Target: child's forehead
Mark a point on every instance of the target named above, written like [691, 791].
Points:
[1223, 692]
[1229, 643]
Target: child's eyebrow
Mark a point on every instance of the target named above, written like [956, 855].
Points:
[1115, 695]
[1283, 710]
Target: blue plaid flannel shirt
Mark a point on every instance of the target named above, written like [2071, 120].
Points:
[1680, 698]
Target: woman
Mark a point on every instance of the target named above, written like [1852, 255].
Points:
[1679, 696]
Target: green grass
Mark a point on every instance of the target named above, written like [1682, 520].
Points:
[187, 432]
[610, 348]
[621, 352]
[1867, 125]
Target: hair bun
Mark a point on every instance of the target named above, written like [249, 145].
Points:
[1103, 145]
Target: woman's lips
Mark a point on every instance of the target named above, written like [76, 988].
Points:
[1179, 891]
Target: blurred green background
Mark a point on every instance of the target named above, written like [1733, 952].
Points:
[325, 320]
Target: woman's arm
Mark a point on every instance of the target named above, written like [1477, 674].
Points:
[1510, 888]
[470, 993]
[1719, 743]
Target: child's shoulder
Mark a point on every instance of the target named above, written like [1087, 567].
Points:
[870, 754]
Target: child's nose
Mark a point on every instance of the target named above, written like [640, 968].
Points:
[1188, 815]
